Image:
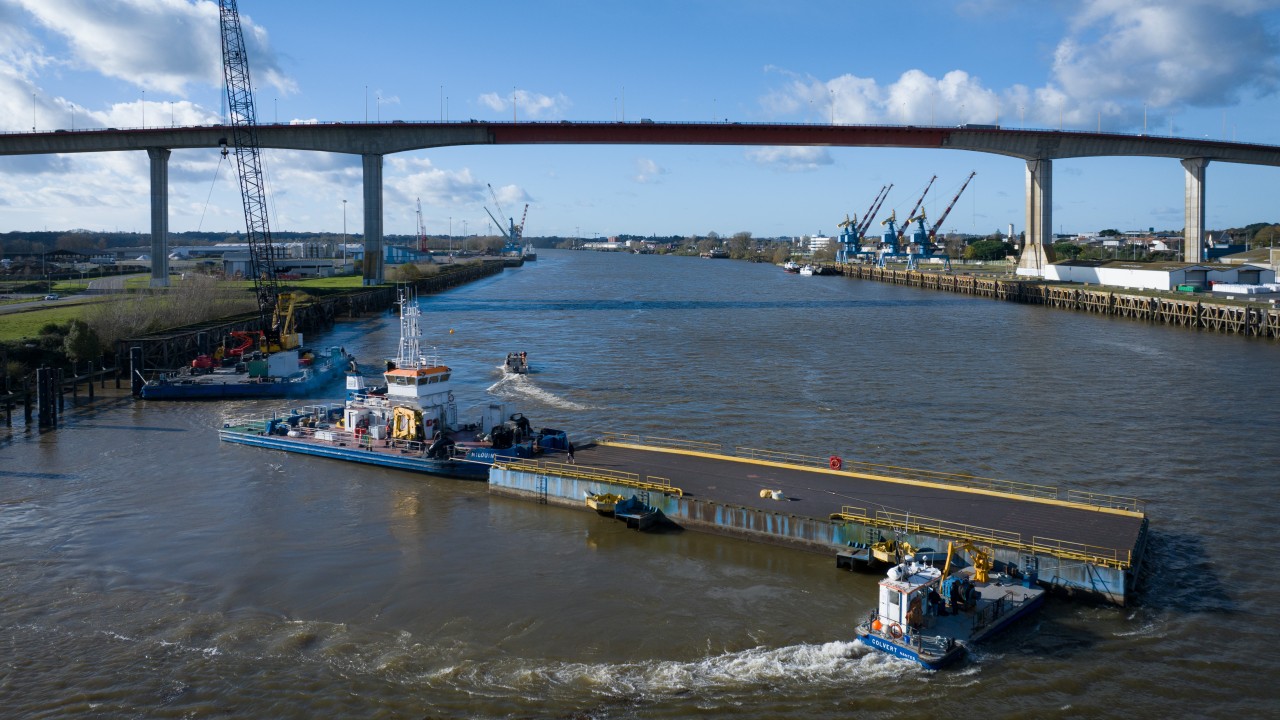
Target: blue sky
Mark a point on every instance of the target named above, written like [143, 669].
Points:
[1198, 68]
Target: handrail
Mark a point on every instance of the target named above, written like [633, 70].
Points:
[651, 483]
[1085, 497]
[1065, 549]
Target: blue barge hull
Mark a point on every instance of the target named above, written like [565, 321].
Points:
[1099, 549]
[310, 430]
[368, 455]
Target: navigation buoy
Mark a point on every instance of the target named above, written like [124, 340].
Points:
[835, 462]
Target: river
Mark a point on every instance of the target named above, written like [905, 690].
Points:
[146, 570]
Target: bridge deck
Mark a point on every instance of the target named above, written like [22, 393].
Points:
[817, 493]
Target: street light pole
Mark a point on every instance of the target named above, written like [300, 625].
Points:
[344, 234]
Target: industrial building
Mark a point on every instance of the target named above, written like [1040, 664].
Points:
[1157, 276]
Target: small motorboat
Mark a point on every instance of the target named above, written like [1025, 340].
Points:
[517, 363]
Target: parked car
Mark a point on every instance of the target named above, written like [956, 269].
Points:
[50, 297]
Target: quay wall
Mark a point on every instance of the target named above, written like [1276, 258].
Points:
[784, 529]
[1255, 321]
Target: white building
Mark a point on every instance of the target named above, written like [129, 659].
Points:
[819, 242]
[1156, 276]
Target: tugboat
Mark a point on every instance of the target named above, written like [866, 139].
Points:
[411, 424]
[931, 614]
[517, 363]
[792, 267]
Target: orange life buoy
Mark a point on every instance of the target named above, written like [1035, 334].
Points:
[895, 631]
[835, 462]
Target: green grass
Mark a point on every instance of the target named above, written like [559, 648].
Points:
[19, 325]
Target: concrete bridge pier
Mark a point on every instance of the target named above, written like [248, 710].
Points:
[159, 216]
[373, 265]
[1193, 227]
[1037, 250]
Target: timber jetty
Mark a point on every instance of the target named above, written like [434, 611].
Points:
[1224, 316]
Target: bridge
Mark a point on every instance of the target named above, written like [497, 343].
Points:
[372, 141]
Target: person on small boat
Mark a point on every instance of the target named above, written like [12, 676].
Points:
[935, 602]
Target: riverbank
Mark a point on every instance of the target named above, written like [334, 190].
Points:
[1190, 310]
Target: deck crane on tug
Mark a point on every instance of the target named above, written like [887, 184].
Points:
[275, 309]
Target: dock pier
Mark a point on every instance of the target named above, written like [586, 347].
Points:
[1084, 542]
[1193, 311]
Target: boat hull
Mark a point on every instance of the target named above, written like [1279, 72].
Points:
[461, 469]
[906, 652]
[220, 385]
[237, 388]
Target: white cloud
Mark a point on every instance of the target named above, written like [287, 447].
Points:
[1194, 52]
[528, 105]
[162, 45]
[411, 178]
[1116, 56]
[648, 171]
[914, 98]
[793, 159]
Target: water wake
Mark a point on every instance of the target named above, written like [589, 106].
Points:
[828, 664]
[522, 386]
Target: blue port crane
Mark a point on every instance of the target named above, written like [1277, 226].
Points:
[911, 214]
[875, 208]
[933, 232]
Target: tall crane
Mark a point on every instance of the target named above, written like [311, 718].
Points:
[422, 230]
[523, 217]
[933, 232]
[911, 215]
[235, 70]
[498, 222]
[875, 208]
[511, 233]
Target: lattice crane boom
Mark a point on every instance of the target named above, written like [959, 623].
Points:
[875, 208]
[933, 232]
[235, 69]
[422, 229]
[911, 215]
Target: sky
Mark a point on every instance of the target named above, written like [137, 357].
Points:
[1191, 68]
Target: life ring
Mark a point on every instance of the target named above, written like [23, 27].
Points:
[895, 631]
[835, 462]
[451, 396]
